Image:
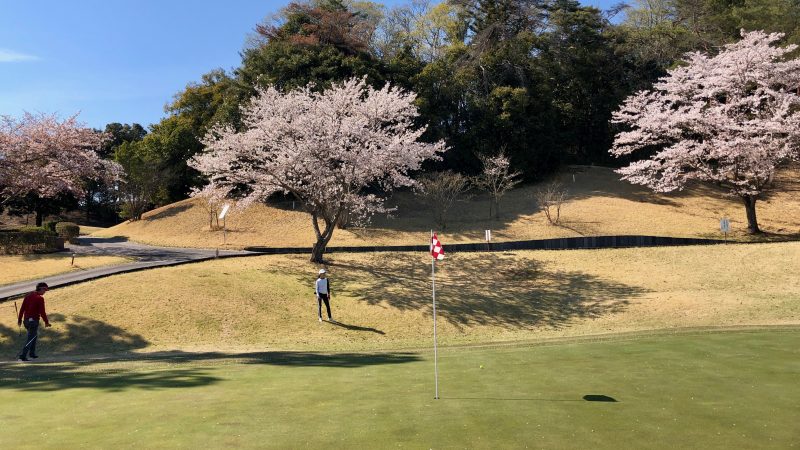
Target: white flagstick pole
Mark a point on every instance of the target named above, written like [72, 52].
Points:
[435, 350]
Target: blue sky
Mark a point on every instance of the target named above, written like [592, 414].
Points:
[120, 61]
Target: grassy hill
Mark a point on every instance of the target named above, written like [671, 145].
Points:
[383, 300]
[16, 268]
[598, 204]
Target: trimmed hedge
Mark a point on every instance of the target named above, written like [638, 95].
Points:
[30, 240]
[50, 225]
[68, 230]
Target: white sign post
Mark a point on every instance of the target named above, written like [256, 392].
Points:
[725, 227]
[488, 235]
[222, 215]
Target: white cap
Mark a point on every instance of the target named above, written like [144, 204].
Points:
[321, 271]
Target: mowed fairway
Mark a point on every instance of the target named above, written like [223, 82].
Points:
[721, 390]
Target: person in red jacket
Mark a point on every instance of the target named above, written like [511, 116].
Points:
[31, 310]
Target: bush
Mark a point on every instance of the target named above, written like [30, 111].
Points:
[68, 231]
[29, 240]
[33, 229]
[50, 225]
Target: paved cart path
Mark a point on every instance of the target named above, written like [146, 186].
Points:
[145, 256]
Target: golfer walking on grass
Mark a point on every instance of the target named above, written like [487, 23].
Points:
[323, 290]
[32, 308]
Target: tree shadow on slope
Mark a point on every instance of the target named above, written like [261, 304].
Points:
[72, 335]
[467, 219]
[495, 289]
[80, 335]
[167, 211]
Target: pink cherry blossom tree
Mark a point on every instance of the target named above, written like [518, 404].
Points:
[45, 156]
[333, 150]
[731, 119]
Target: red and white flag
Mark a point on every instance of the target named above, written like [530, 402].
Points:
[437, 251]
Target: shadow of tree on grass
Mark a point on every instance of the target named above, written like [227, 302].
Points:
[79, 352]
[72, 335]
[119, 372]
[58, 376]
[167, 211]
[499, 289]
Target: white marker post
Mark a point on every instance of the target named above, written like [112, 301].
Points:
[488, 235]
[222, 215]
[725, 227]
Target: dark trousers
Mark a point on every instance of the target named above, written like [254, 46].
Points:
[324, 298]
[30, 343]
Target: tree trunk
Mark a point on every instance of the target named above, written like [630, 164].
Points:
[750, 209]
[88, 206]
[496, 208]
[323, 237]
[317, 251]
[39, 218]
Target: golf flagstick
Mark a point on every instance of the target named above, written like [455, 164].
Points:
[435, 352]
[437, 252]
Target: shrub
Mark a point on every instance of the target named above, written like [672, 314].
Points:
[34, 229]
[68, 231]
[29, 240]
[50, 225]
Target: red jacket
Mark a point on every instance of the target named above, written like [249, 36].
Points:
[33, 308]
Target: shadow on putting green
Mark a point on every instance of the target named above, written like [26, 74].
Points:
[599, 398]
[517, 399]
[588, 398]
[129, 371]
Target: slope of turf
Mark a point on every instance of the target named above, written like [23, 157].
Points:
[598, 204]
[725, 390]
[16, 268]
[382, 301]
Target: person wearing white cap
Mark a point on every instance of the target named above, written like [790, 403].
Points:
[323, 290]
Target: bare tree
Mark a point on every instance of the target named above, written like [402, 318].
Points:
[496, 179]
[440, 190]
[550, 199]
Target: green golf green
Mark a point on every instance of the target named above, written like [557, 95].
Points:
[699, 390]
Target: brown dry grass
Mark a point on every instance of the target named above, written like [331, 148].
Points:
[86, 229]
[599, 204]
[383, 300]
[30, 267]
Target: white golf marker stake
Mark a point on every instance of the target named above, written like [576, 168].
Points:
[725, 227]
[222, 215]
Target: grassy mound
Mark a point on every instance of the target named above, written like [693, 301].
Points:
[727, 390]
[382, 301]
[599, 204]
